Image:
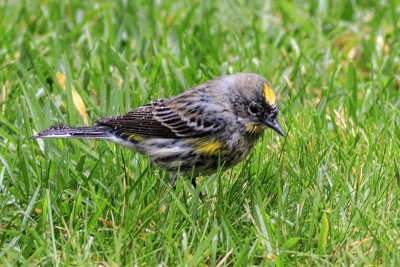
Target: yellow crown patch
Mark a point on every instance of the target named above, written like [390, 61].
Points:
[270, 97]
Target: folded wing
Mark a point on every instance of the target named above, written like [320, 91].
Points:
[167, 120]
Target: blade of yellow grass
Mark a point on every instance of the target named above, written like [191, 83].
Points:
[3, 98]
[80, 106]
[323, 234]
[78, 101]
[61, 80]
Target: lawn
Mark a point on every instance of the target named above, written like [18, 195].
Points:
[327, 194]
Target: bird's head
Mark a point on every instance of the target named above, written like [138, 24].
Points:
[255, 103]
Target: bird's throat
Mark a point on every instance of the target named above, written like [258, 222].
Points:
[254, 130]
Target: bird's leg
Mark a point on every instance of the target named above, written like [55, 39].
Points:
[173, 180]
[194, 182]
[194, 186]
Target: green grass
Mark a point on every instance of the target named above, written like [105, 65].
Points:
[328, 194]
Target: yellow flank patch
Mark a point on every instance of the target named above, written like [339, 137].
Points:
[251, 128]
[208, 147]
[270, 97]
[136, 137]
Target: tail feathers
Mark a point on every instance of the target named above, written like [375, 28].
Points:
[62, 131]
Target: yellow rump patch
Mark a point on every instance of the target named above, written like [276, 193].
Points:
[270, 97]
[208, 147]
[136, 137]
[253, 129]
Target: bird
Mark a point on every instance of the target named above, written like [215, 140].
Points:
[216, 123]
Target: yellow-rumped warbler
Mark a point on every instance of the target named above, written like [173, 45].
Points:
[217, 122]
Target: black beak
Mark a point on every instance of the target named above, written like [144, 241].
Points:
[275, 126]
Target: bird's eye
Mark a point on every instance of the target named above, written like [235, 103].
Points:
[253, 109]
